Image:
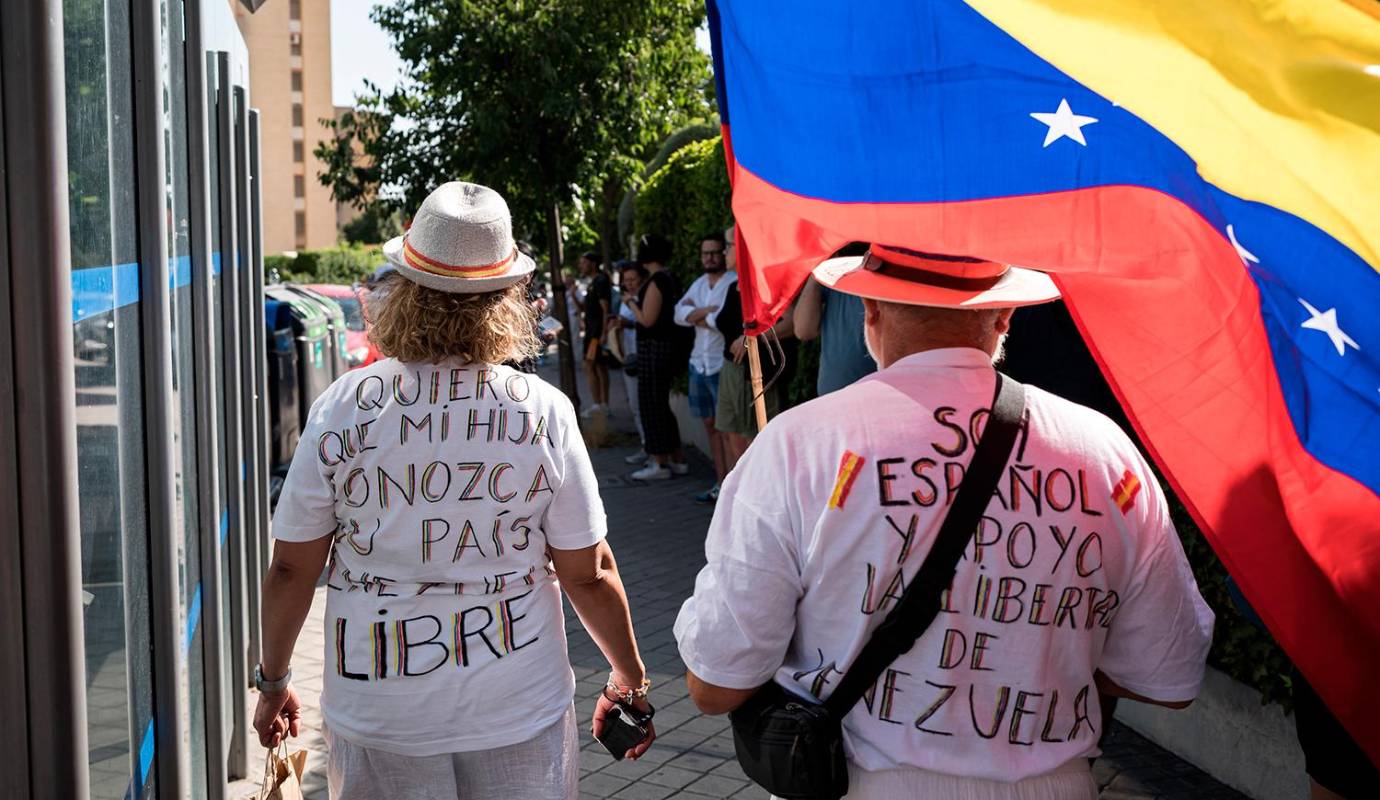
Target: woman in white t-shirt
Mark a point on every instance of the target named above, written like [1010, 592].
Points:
[445, 495]
[630, 277]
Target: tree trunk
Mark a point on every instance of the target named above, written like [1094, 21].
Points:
[608, 220]
[566, 338]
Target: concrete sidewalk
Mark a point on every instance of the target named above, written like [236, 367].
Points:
[657, 532]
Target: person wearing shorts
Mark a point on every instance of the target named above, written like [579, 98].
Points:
[698, 309]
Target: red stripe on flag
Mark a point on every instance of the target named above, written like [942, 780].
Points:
[1174, 321]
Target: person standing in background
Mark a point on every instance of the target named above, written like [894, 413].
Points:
[574, 305]
[659, 359]
[697, 310]
[624, 326]
[595, 307]
[837, 319]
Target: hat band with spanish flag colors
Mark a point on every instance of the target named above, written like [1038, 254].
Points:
[461, 240]
[418, 261]
[902, 275]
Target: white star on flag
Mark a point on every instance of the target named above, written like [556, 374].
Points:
[1326, 321]
[1064, 122]
[1247, 257]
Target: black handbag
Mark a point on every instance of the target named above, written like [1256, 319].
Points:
[793, 747]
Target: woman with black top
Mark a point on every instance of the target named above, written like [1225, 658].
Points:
[660, 356]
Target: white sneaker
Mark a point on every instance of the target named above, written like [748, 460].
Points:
[652, 472]
[640, 457]
[680, 468]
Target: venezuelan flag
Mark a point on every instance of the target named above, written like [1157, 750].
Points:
[1203, 179]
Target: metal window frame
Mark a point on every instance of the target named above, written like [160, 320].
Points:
[199, 118]
[256, 272]
[238, 759]
[255, 499]
[155, 315]
[14, 707]
[45, 431]
[38, 428]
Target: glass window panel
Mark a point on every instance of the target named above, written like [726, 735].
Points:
[298, 152]
[184, 392]
[296, 81]
[109, 418]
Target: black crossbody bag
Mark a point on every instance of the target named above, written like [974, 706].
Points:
[793, 747]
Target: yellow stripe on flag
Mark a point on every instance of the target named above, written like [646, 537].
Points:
[1277, 100]
[844, 482]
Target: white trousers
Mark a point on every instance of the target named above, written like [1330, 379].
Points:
[1072, 781]
[545, 767]
[630, 386]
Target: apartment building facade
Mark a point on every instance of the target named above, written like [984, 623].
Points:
[289, 45]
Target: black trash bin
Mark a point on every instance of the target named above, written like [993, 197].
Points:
[311, 333]
[336, 348]
[283, 384]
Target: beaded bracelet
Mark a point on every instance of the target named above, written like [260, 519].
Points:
[627, 695]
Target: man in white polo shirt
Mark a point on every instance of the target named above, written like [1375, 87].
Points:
[1074, 583]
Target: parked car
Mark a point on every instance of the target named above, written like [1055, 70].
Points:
[359, 351]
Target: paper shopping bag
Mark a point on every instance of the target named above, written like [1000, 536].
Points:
[283, 775]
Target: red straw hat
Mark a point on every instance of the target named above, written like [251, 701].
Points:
[900, 275]
[461, 240]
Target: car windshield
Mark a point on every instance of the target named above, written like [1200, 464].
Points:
[354, 318]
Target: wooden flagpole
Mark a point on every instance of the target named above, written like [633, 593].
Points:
[759, 402]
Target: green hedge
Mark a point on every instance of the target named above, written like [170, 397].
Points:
[684, 200]
[694, 132]
[344, 264]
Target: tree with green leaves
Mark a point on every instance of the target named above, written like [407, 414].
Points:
[535, 98]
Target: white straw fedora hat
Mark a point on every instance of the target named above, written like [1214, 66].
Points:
[899, 275]
[461, 240]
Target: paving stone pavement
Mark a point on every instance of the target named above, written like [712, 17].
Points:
[657, 534]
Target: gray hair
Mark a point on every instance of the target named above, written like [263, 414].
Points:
[975, 326]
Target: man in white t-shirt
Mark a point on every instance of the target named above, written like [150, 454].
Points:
[1074, 584]
[699, 309]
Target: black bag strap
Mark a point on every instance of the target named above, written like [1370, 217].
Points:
[919, 603]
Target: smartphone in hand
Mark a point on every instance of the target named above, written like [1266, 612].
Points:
[549, 326]
[624, 729]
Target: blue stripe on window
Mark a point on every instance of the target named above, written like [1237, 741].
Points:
[224, 525]
[193, 617]
[97, 290]
[100, 289]
[145, 760]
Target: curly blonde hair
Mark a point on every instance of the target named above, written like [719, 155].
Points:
[415, 324]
